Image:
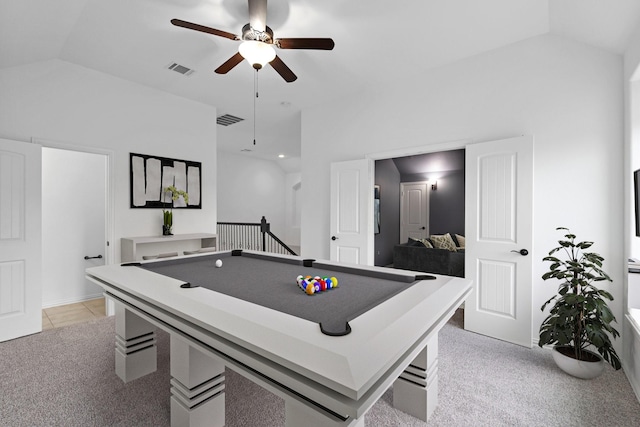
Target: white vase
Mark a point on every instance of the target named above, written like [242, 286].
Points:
[578, 368]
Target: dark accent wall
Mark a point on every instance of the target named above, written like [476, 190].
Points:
[387, 177]
[446, 205]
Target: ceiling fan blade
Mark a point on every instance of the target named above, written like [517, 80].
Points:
[305, 43]
[258, 14]
[283, 70]
[229, 64]
[202, 28]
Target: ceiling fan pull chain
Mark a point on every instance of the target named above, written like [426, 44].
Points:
[255, 89]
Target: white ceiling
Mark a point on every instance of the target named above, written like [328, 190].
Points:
[377, 42]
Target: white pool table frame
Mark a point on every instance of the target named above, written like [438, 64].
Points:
[333, 379]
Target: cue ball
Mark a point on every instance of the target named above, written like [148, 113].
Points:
[219, 263]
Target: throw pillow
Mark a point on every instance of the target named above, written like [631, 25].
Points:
[413, 242]
[460, 240]
[443, 241]
[427, 243]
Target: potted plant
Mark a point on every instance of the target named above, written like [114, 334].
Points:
[579, 317]
[167, 214]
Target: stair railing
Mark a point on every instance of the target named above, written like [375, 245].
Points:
[252, 236]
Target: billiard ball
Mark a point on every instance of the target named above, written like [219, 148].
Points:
[310, 289]
[219, 263]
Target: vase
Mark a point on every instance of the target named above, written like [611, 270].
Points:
[166, 230]
[578, 368]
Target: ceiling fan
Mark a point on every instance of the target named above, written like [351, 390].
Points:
[258, 41]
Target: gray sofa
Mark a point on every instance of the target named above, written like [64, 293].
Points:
[417, 257]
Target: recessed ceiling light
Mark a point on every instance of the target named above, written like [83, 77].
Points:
[281, 156]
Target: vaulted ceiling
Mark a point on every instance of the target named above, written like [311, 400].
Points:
[376, 42]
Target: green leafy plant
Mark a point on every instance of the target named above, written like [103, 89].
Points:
[167, 214]
[168, 218]
[175, 193]
[580, 316]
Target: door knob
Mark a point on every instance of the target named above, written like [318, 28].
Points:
[334, 238]
[423, 228]
[522, 252]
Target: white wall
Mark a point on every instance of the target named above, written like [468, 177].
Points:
[251, 188]
[569, 96]
[293, 207]
[63, 102]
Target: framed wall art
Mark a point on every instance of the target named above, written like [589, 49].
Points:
[151, 174]
[376, 209]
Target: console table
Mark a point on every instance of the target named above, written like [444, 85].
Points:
[129, 245]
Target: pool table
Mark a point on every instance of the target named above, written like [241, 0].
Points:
[329, 355]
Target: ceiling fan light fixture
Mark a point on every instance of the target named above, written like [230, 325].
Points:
[257, 53]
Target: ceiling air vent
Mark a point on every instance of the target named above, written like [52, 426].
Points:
[180, 69]
[228, 119]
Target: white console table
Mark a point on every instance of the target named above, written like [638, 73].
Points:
[132, 248]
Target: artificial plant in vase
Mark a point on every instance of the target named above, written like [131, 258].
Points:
[167, 214]
[580, 316]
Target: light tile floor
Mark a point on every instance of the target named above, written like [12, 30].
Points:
[63, 315]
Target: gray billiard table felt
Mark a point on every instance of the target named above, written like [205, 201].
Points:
[261, 280]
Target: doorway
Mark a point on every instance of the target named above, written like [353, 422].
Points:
[491, 198]
[75, 222]
[441, 175]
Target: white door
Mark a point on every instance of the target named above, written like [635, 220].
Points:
[78, 221]
[352, 212]
[20, 239]
[499, 225]
[414, 211]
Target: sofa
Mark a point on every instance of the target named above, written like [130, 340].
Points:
[414, 255]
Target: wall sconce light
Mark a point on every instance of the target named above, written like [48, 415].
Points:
[434, 186]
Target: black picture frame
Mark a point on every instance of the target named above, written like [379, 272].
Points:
[376, 209]
[149, 174]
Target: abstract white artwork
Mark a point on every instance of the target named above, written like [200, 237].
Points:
[151, 174]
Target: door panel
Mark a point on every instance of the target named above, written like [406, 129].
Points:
[497, 288]
[414, 211]
[499, 198]
[352, 212]
[20, 239]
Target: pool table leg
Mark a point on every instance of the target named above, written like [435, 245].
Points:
[297, 414]
[135, 345]
[416, 389]
[197, 386]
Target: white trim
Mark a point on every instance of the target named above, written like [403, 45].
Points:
[66, 301]
[421, 149]
[109, 180]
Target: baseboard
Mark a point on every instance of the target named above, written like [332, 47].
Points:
[74, 300]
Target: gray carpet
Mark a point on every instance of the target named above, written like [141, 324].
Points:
[65, 377]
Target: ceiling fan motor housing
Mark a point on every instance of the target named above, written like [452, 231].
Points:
[249, 33]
